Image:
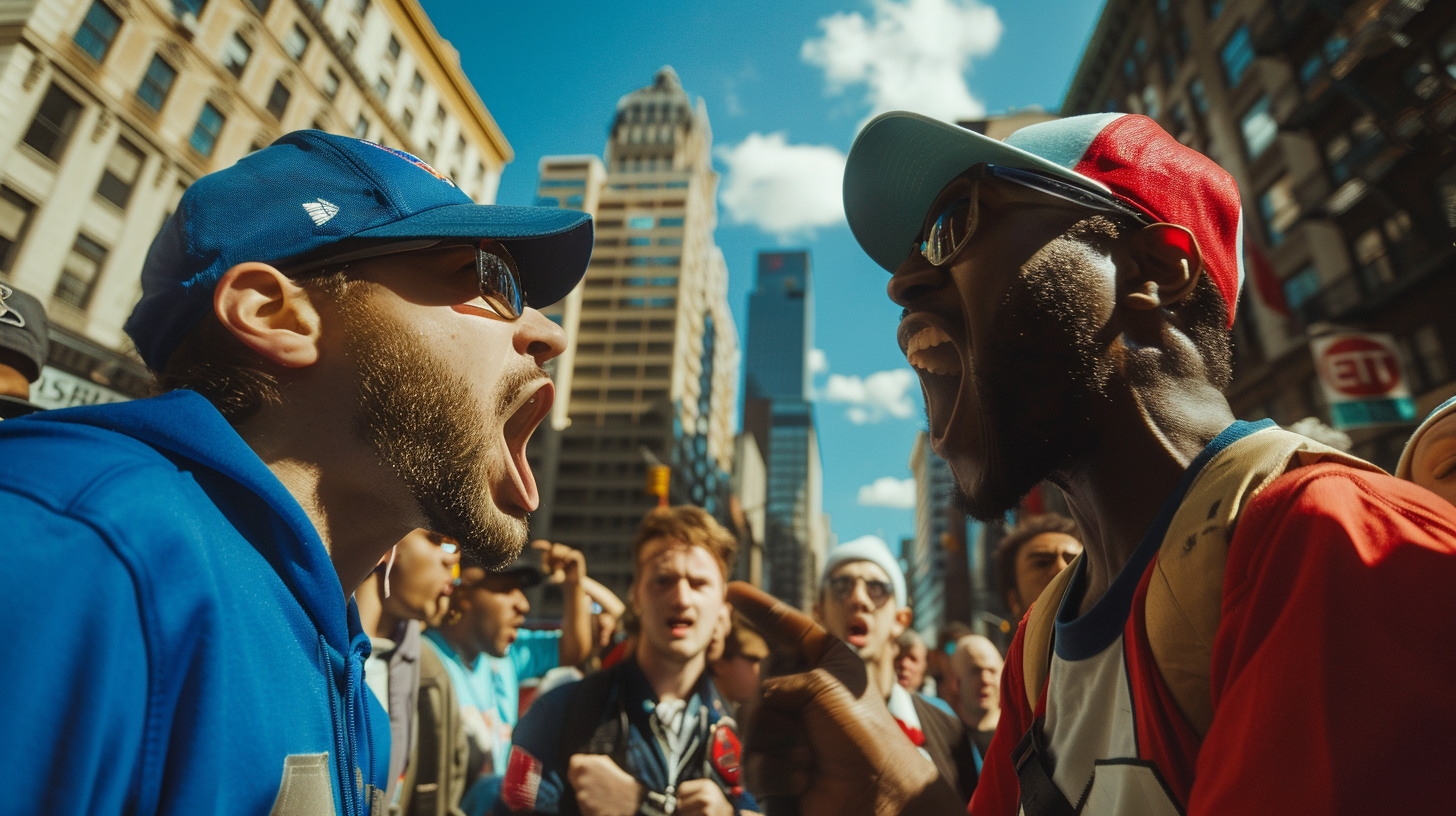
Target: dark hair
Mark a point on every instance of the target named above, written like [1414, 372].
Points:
[1024, 531]
[691, 526]
[234, 378]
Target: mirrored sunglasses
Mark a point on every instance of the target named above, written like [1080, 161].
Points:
[496, 273]
[952, 223]
[842, 586]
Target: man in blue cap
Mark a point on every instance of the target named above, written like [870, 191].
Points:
[348, 350]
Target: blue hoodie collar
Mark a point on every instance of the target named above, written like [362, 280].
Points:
[183, 424]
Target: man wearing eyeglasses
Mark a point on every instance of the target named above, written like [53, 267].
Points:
[1068, 298]
[348, 351]
[862, 601]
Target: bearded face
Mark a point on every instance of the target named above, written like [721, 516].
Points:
[446, 445]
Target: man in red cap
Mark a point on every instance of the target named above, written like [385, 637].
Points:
[1068, 296]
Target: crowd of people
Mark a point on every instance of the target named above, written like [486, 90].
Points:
[295, 581]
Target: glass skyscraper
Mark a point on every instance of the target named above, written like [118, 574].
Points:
[778, 413]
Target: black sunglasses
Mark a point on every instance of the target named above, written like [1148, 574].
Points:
[496, 273]
[842, 586]
[952, 223]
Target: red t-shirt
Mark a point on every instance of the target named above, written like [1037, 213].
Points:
[1333, 676]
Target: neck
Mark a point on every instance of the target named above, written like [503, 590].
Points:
[988, 720]
[462, 643]
[1116, 492]
[359, 509]
[671, 678]
[374, 618]
[13, 383]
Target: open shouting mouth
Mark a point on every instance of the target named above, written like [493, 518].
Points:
[928, 346]
[530, 407]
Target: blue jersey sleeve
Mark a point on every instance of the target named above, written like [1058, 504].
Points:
[535, 779]
[75, 680]
[535, 652]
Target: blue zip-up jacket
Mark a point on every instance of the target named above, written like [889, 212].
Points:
[177, 639]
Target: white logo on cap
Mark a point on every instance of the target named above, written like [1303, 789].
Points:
[320, 211]
[7, 314]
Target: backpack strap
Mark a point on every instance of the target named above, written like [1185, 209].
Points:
[1185, 596]
[591, 728]
[1036, 644]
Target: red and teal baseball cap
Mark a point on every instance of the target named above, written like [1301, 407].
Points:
[901, 161]
[311, 189]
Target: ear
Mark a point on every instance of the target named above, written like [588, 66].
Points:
[1169, 264]
[269, 313]
[818, 614]
[903, 617]
[1013, 601]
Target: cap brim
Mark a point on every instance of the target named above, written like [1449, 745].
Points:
[551, 247]
[901, 161]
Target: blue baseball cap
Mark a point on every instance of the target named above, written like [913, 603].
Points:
[311, 189]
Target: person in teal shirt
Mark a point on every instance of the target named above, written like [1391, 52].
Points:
[487, 654]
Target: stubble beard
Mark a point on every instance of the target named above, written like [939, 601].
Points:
[430, 431]
[1041, 380]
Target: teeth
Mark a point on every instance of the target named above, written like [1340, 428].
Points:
[944, 362]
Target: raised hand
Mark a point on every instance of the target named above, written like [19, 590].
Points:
[824, 734]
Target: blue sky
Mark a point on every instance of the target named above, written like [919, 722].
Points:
[786, 87]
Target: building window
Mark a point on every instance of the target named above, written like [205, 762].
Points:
[54, 121]
[295, 43]
[361, 127]
[1259, 128]
[209, 127]
[278, 99]
[331, 84]
[15, 213]
[1238, 55]
[78, 275]
[361, 7]
[381, 87]
[156, 83]
[261, 5]
[640, 241]
[1279, 208]
[122, 168]
[1311, 70]
[393, 48]
[1215, 9]
[97, 31]
[351, 41]
[429, 151]
[440, 114]
[1446, 196]
[640, 222]
[1429, 357]
[1199, 96]
[1375, 267]
[193, 7]
[235, 55]
[1150, 102]
[417, 84]
[669, 222]
[548, 201]
[1300, 287]
[408, 117]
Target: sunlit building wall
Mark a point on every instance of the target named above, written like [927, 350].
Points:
[113, 107]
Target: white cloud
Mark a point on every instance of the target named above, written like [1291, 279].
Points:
[887, 491]
[871, 399]
[818, 363]
[783, 189]
[910, 55]
[873, 538]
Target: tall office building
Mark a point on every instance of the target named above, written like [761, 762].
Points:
[778, 413]
[113, 107]
[1338, 121]
[937, 564]
[652, 365]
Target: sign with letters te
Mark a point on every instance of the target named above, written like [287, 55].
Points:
[1363, 380]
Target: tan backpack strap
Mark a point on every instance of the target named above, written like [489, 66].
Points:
[1185, 596]
[1036, 644]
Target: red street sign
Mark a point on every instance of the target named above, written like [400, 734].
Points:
[1360, 367]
